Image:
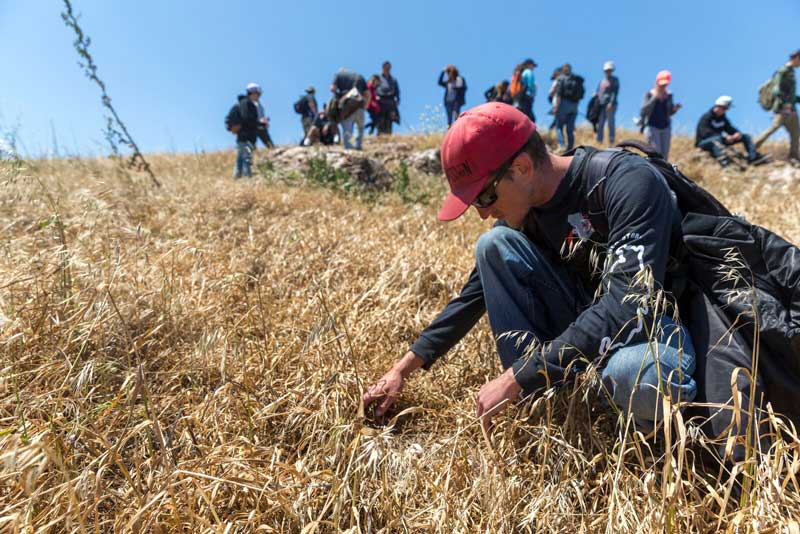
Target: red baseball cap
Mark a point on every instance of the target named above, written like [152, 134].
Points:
[478, 143]
[664, 77]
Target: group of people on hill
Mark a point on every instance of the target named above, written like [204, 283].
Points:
[343, 118]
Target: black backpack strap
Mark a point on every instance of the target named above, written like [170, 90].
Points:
[594, 173]
[646, 148]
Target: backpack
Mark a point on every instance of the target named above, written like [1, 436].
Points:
[350, 102]
[301, 106]
[593, 111]
[572, 88]
[517, 87]
[233, 120]
[767, 93]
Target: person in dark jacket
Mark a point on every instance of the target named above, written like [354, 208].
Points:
[658, 107]
[388, 93]
[535, 281]
[254, 125]
[553, 310]
[499, 93]
[714, 132]
[455, 90]
[306, 106]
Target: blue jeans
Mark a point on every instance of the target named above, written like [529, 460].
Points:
[525, 291]
[357, 119]
[452, 110]
[244, 159]
[659, 138]
[565, 118]
[606, 116]
[715, 143]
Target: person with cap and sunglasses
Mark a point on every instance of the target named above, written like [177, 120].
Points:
[657, 110]
[607, 91]
[551, 309]
[715, 132]
[254, 125]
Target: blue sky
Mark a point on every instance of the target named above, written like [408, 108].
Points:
[173, 68]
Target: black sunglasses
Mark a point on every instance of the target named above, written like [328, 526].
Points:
[488, 194]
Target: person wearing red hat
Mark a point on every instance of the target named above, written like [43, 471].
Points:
[656, 114]
[535, 277]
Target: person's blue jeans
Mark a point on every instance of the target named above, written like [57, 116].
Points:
[715, 143]
[452, 110]
[607, 117]
[565, 118]
[244, 159]
[357, 120]
[525, 291]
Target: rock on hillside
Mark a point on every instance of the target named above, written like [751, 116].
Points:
[372, 167]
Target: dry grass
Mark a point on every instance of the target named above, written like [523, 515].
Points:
[191, 359]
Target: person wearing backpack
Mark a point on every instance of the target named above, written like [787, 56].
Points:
[783, 90]
[607, 92]
[352, 97]
[455, 91]
[657, 110]
[248, 122]
[306, 107]
[388, 93]
[523, 87]
[499, 93]
[715, 131]
[569, 91]
[651, 324]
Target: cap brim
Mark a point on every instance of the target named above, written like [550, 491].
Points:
[456, 203]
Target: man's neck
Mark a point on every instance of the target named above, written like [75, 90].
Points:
[552, 173]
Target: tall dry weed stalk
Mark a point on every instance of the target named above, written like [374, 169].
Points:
[116, 132]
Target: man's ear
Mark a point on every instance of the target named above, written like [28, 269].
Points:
[523, 165]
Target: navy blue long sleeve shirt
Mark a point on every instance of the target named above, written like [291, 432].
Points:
[642, 219]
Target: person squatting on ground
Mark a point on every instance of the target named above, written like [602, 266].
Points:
[569, 91]
[715, 132]
[455, 92]
[607, 93]
[496, 162]
[499, 93]
[657, 110]
[784, 87]
[252, 126]
[307, 108]
[388, 93]
[322, 130]
[350, 89]
[523, 87]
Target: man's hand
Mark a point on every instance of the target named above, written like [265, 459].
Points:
[730, 139]
[609, 108]
[386, 390]
[495, 396]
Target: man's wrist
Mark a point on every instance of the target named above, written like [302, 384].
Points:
[409, 363]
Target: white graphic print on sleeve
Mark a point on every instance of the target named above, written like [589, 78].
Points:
[621, 258]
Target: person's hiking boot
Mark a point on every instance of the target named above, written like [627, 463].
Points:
[760, 159]
[724, 161]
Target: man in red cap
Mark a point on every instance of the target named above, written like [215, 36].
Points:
[552, 310]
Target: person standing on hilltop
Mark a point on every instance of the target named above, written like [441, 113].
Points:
[455, 91]
[785, 98]
[350, 90]
[388, 93]
[498, 93]
[657, 110]
[252, 125]
[607, 91]
[715, 131]
[523, 87]
[307, 108]
[569, 91]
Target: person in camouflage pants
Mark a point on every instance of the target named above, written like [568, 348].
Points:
[784, 107]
